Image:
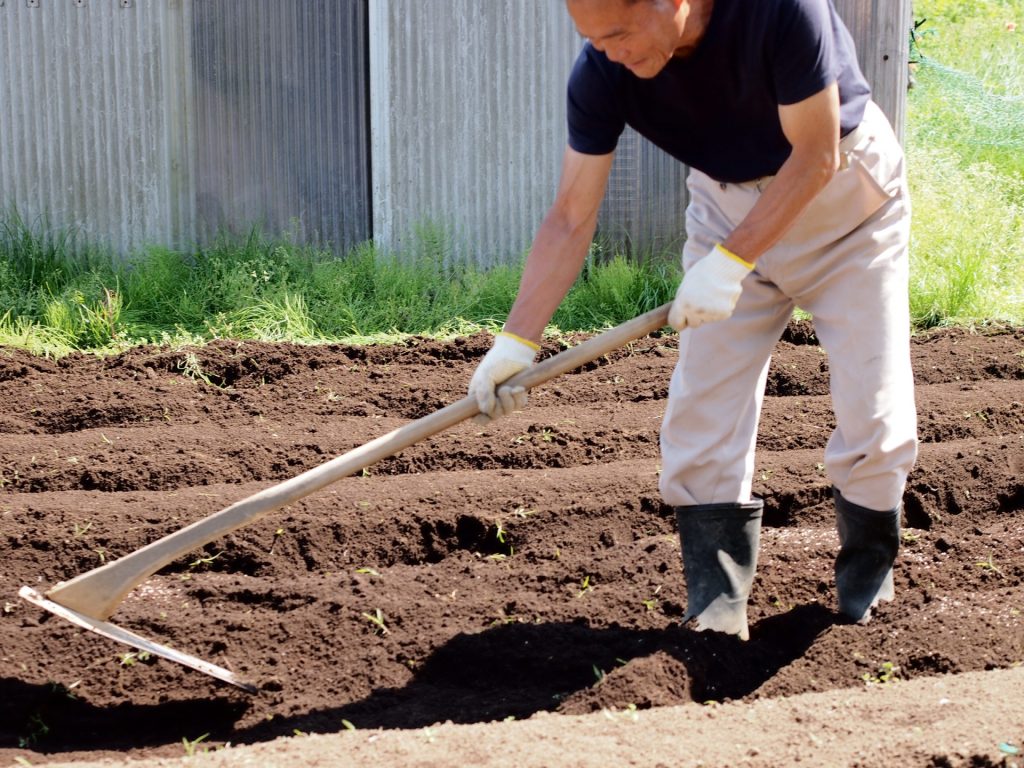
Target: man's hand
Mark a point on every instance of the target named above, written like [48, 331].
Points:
[710, 289]
[509, 355]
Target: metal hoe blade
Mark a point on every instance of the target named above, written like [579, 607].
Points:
[116, 633]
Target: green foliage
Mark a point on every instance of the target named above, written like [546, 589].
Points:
[965, 12]
[966, 244]
[887, 672]
[191, 745]
[615, 288]
[271, 289]
[989, 127]
[34, 255]
[968, 93]
[965, 150]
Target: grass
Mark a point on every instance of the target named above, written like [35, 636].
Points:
[965, 148]
[190, 746]
[263, 288]
[377, 620]
[887, 672]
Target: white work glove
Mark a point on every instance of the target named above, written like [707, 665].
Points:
[710, 289]
[509, 355]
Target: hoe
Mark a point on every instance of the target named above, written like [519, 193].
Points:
[90, 598]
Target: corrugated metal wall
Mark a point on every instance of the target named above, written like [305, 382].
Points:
[162, 121]
[469, 122]
[468, 109]
[467, 104]
[281, 114]
[645, 205]
[90, 131]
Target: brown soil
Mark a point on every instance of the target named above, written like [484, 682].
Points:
[521, 568]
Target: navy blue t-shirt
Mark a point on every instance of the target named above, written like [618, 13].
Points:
[717, 109]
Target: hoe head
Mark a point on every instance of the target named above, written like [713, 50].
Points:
[114, 632]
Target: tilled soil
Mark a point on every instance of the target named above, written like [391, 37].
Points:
[491, 572]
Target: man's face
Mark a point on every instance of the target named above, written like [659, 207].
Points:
[640, 35]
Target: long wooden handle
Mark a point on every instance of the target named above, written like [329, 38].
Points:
[98, 592]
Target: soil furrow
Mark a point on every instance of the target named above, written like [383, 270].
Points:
[491, 572]
[226, 380]
[422, 519]
[125, 459]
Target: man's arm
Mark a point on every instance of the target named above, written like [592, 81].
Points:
[561, 244]
[812, 128]
[551, 268]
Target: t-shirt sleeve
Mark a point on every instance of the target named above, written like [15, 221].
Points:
[594, 122]
[803, 56]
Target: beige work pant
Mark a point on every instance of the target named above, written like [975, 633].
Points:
[845, 262]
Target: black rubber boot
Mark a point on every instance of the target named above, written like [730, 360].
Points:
[868, 543]
[720, 544]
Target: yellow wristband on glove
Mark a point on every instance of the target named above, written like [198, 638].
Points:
[726, 252]
[532, 345]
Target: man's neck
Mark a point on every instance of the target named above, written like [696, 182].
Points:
[696, 25]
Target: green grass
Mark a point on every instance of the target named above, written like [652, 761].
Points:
[268, 289]
[965, 149]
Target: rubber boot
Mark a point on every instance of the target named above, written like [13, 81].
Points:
[868, 542]
[720, 544]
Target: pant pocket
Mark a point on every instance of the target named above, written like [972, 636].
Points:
[850, 198]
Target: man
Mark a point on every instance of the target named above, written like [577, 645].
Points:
[797, 197]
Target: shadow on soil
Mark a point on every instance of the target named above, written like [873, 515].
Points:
[516, 670]
[509, 671]
[49, 718]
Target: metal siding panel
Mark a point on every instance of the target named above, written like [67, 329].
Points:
[7, 75]
[468, 120]
[15, 191]
[379, 45]
[270, 120]
[179, 156]
[645, 205]
[85, 139]
[662, 201]
[468, 115]
[150, 117]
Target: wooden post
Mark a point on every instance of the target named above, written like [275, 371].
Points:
[881, 31]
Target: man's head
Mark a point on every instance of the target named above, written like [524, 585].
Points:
[643, 35]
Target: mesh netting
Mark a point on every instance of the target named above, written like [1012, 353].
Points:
[985, 126]
[965, 141]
